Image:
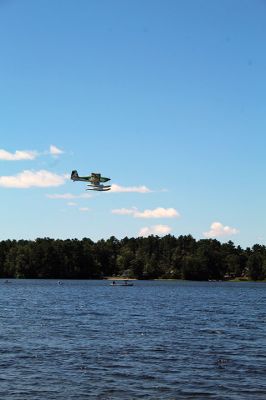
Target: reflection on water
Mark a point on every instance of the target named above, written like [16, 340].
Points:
[155, 340]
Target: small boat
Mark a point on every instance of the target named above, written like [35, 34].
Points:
[121, 283]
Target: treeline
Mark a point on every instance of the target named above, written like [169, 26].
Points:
[142, 258]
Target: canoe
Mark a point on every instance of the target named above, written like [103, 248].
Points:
[121, 284]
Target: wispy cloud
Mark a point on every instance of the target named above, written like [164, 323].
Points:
[55, 151]
[71, 204]
[124, 211]
[217, 229]
[159, 230]
[130, 189]
[84, 209]
[158, 212]
[28, 179]
[69, 196]
[18, 155]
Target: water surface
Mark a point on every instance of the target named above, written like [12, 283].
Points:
[155, 340]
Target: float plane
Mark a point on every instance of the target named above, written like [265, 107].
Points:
[95, 180]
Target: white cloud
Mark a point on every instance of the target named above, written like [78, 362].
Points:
[158, 212]
[217, 229]
[18, 155]
[69, 196]
[71, 204]
[159, 230]
[55, 151]
[84, 209]
[28, 179]
[129, 189]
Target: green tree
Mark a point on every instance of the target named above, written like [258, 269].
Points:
[255, 266]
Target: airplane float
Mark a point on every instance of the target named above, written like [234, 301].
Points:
[95, 180]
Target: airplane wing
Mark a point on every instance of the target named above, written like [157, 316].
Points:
[95, 178]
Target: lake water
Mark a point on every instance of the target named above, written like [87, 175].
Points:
[155, 340]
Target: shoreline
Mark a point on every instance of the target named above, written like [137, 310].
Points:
[119, 278]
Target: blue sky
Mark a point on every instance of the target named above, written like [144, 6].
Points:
[166, 97]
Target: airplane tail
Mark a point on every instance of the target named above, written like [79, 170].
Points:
[74, 175]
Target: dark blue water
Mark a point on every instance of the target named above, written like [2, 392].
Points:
[155, 340]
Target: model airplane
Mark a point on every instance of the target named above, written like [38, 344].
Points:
[95, 181]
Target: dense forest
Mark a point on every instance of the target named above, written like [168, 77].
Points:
[142, 258]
